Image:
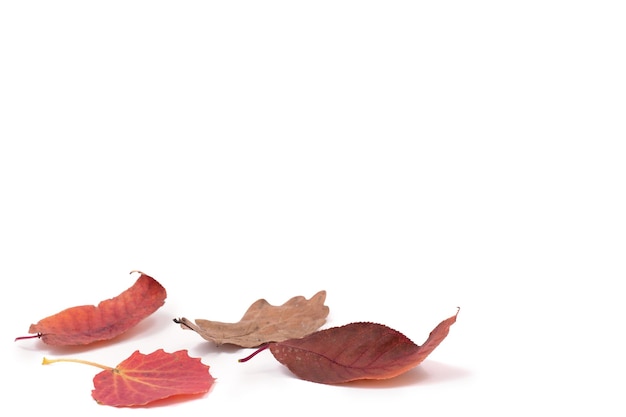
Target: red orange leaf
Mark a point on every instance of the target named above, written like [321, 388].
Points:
[355, 351]
[142, 379]
[86, 324]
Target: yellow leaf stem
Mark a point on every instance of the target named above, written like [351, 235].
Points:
[47, 361]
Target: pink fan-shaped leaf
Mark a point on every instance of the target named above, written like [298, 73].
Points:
[142, 379]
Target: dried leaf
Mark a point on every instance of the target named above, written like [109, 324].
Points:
[87, 324]
[355, 351]
[264, 322]
[142, 379]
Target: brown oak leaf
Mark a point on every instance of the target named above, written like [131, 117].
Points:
[264, 323]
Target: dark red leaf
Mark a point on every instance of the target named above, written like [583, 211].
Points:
[86, 324]
[355, 351]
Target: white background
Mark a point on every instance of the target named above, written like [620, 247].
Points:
[406, 157]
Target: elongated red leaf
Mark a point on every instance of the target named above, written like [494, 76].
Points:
[142, 379]
[86, 324]
[355, 351]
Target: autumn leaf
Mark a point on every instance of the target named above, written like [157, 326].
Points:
[85, 324]
[264, 322]
[141, 379]
[354, 351]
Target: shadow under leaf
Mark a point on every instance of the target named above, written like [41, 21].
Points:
[427, 373]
